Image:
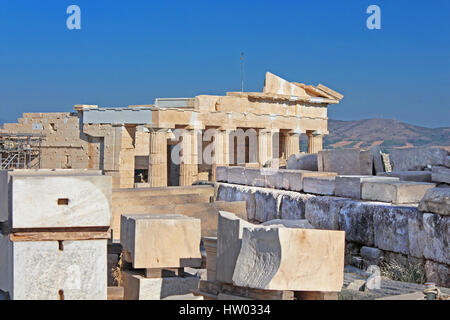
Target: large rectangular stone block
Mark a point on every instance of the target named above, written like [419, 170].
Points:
[267, 204]
[323, 212]
[254, 177]
[416, 176]
[293, 204]
[436, 200]
[229, 192]
[391, 227]
[236, 175]
[52, 270]
[319, 185]
[447, 162]
[356, 219]
[274, 179]
[441, 175]
[437, 237]
[293, 179]
[346, 161]
[302, 162]
[416, 158]
[351, 186]
[229, 238]
[137, 287]
[161, 241]
[279, 258]
[55, 200]
[221, 174]
[395, 192]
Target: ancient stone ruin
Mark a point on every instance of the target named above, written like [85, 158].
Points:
[212, 198]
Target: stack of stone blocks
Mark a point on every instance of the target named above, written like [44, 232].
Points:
[53, 241]
[379, 213]
[157, 249]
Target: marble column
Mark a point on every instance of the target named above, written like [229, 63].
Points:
[126, 157]
[291, 144]
[157, 169]
[189, 158]
[315, 143]
[264, 146]
[221, 150]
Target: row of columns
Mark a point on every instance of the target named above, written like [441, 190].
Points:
[158, 162]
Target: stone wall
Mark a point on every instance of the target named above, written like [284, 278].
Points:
[376, 232]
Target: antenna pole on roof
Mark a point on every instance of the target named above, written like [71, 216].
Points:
[242, 71]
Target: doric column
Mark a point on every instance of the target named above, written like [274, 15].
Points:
[189, 158]
[291, 144]
[264, 146]
[157, 160]
[126, 157]
[221, 150]
[314, 142]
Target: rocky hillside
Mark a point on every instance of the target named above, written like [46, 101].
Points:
[385, 133]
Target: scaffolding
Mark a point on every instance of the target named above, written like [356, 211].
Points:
[20, 150]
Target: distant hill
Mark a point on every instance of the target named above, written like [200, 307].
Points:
[385, 133]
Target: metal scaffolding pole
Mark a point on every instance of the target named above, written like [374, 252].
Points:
[20, 150]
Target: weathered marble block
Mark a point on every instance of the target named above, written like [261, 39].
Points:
[351, 186]
[437, 273]
[323, 212]
[302, 162]
[253, 177]
[436, 200]
[49, 270]
[319, 185]
[437, 237]
[447, 162]
[395, 192]
[415, 176]
[416, 158]
[440, 174]
[236, 175]
[137, 287]
[229, 236]
[356, 219]
[293, 179]
[293, 204]
[346, 161]
[391, 227]
[267, 203]
[55, 200]
[278, 258]
[274, 179]
[221, 174]
[161, 241]
[230, 193]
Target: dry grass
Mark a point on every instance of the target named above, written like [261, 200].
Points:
[117, 271]
[409, 272]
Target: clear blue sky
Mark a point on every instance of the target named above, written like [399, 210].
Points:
[130, 52]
